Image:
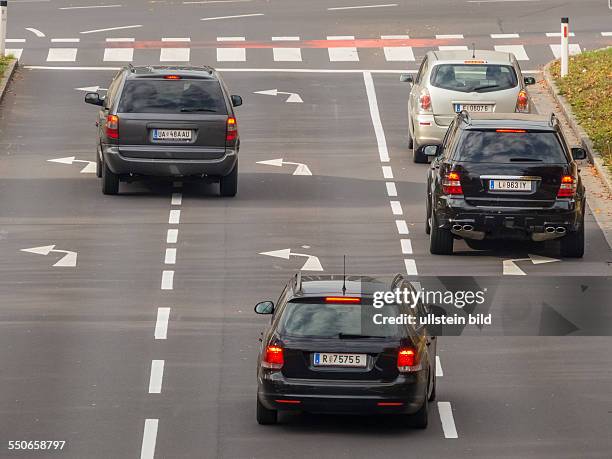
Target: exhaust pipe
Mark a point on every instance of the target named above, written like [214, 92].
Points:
[560, 230]
[550, 232]
[549, 229]
[467, 228]
[467, 232]
[457, 227]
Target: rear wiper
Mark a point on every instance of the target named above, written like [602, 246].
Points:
[478, 88]
[524, 160]
[353, 336]
[184, 110]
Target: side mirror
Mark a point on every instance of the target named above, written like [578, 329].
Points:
[94, 98]
[406, 78]
[236, 101]
[529, 80]
[431, 150]
[265, 307]
[579, 153]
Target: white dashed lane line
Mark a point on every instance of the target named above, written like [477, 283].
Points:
[172, 236]
[177, 199]
[167, 282]
[387, 172]
[149, 438]
[406, 246]
[402, 227]
[170, 258]
[161, 324]
[157, 376]
[439, 372]
[448, 421]
[396, 207]
[174, 217]
[391, 189]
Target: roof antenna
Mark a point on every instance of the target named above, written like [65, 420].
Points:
[473, 50]
[344, 275]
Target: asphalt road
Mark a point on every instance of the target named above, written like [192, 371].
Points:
[77, 343]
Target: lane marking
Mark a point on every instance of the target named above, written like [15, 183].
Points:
[406, 246]
[15, 52]
[167, 282]
[177, 199]
[439, 371]
[518, 51]
[232, 17]
[135, 26]
[65, 40]
[149, 437]
[558, 34]
[119, 54]
[89, 7]
[402, 227]
[36, 32]
[606, 34]
[157, 376]
[231, 54]
[456, 36]
[339, 8]
[396, 208]
[505, 35]
[172, 236]
[170, 258]
[397, 53]
[15, 40]
[387, 172]
[175, 54]
[62, 54]
[411, 268]
[161, 325]
[383, 152]
[574, 49]
[344, 53]
[391, 189]
[175, 217]
[448, 422]
[287, 54]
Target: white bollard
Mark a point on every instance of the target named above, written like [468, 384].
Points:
[564, 46]
[3, 14]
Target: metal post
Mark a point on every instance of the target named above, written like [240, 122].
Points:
[564, 46]
[3, 14]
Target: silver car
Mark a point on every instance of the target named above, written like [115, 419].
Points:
[449, 82]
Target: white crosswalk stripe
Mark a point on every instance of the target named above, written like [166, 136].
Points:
[504, 35]
[15, 52]
[397, 53]
[574, 48]
[518, 51]
[287, 54]
[450, 36]
[119, 54]
[231, 54]
[175, 54]
[62, 54]
[558, 34]
[343, 54]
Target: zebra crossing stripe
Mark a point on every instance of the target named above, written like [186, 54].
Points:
[518, 51]
[231, 54]
[62, 54]
[175, 54]
[287, 54]
[119, 54]
[398, 53]
[343, 54]
[574, 49]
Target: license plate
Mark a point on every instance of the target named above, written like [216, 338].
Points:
[478, 108]
[332, 359]
[183, 135]
[510, 185]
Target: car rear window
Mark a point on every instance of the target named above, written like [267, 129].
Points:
[473, 77]
[172, 96]
[333, 320]
[508, 147]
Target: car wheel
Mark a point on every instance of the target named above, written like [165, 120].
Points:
[410, 141]
[440, 240]
[432, 396]
[420, 418]
[266, 416]
[417, 153]
[98, 164]
[428, 216]
[229, 183]
[110, 180]
[572, 244]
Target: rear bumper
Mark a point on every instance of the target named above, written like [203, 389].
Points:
[406, 394]
[426, 131]
[120, 164]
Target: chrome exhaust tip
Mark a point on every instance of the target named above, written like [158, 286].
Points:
[550, 229]
[468, 228]
[457, 227]
[560, 230]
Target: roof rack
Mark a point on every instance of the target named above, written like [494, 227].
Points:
[298, 282]
[553, 119]
[396, 281]
[465, 116]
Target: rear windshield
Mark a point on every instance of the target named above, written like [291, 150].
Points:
[508, 147]
[172, 96]
[473, 78]
[335, 320]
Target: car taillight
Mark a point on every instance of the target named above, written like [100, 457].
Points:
[522, 102]
[407, 360]
[568, 186]
[342, 299]
[425, 101]
[452, 184]
[232, 130]
[273, 358]
[112, 126]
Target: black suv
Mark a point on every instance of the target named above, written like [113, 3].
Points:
[499, 176]
[167, 122]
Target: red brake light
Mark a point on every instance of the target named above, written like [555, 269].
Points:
[452, 184]
[568, 186]
[342, 299]
[407, 360]
[172, 77]
[522, 101]
[425, 102]
[232, 130]
[112, 126]
[510, 130]
[273, 358]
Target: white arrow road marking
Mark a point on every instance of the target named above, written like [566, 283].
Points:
[91, 89]
[90, 167]
[312, 262]
[293, 97]
[302, 169]
[69, 260]
[510, 268]
[36, 32]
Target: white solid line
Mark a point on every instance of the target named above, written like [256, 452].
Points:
[62, 54]
[161, 325]
[397, 53]
[120, 39]
[36, 32]
[411, 268]
[175, 217]
[112, 28]
[172, 236]
[232, 17]
[337, 8]
[65, 40]
[574, 49]
[518, 51]
[558, 34]
[177, 199]
[505, 35]
[396, 208]
[383, 153]
[402, 227]
[406, 246]
[175, 54]
[449, 36]
[157, 376]
[387, 172]
[343, 54]
[231, 54]
[448, 422]
[149, 437]
[287, 54]
[453, 48]
[15, 40]
[391, 189]
[167, 282]
[170, 258]
[439, 371]
[15, 52]
[606, 34]
[88, 7]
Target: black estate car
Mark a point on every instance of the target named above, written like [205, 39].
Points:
[505, 176]
[167, 121]
[324, 353]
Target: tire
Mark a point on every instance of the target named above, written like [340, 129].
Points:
[428, 216]
[229, 184]
[440, 240]
[432, 397]
[410, 141]
[265, 416]
[98, 164]
[417, 154]
[420, 419]
[572, 244]
[110, 181]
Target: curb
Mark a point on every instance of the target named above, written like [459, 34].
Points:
[593, 155]
[8, 75]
